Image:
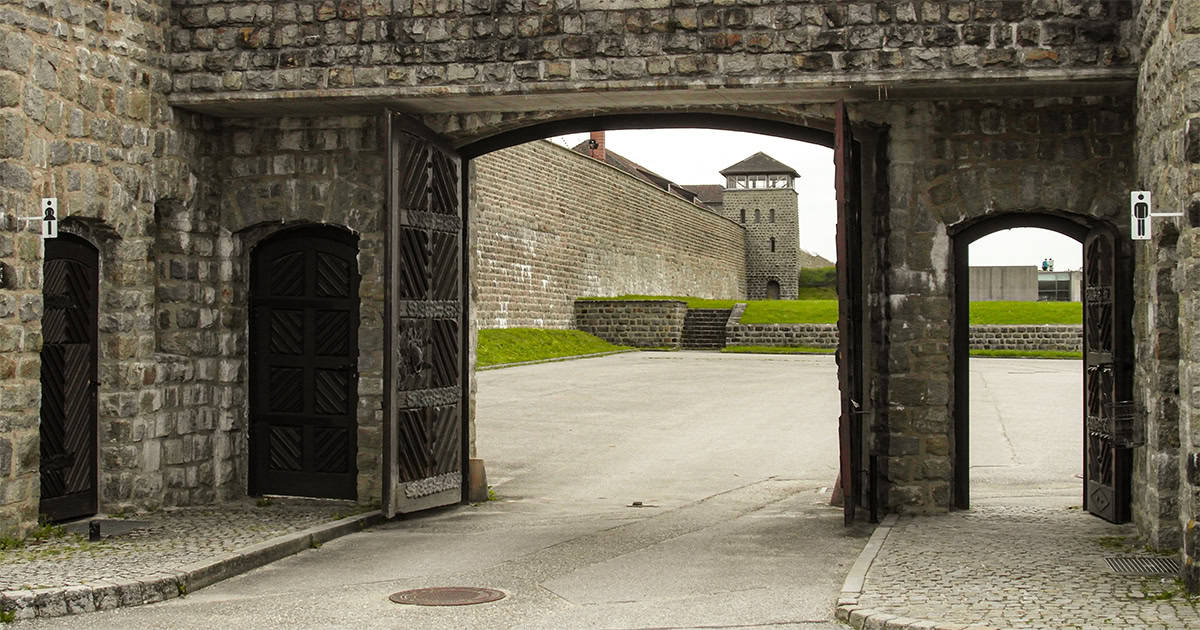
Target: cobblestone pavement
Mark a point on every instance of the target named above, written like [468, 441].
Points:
[1035, 564]
[173, 538]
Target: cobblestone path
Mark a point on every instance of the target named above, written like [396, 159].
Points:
[1020, 566]
[174, 538]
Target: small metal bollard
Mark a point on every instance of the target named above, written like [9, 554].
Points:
[93, 531]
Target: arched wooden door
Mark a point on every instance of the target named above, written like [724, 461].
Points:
[304, 364]
[68, 466]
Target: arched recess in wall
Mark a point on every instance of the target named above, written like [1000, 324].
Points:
[1108, 351]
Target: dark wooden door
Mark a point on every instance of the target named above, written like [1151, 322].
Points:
[848, 187]
[68, 428]
[304, 364]
[1107, 377]
[423, 393]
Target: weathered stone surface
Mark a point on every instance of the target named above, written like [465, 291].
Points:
[582, 220]
[638, 323]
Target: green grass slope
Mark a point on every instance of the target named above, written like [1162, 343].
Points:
[515, 345]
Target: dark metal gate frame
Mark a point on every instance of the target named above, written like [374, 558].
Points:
[1120, 357]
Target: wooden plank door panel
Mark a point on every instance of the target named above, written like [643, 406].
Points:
[68, 412]
[424, 309]
[303, 364]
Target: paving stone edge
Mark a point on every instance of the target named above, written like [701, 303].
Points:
[861, 618]
[105, 595]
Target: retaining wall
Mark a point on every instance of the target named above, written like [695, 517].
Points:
[1040, 337]
[642, 324]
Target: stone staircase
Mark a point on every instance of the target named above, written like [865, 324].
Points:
[704, 329]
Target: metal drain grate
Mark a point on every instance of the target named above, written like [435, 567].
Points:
[447, 596]
[1143, 565]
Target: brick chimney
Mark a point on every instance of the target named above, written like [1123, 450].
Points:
[597, 150]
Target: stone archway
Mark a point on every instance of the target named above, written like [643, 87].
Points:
[1108, 353]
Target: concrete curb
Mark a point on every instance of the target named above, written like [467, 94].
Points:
[104, 595]
[554, 359]
[860, 618]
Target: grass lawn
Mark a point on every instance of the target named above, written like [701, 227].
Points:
[776, 350]
[791, 312]
[1026, 313]
[514, 345]
[692, 302]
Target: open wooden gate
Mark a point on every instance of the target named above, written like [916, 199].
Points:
[68, 425]
[423, 321]
[848, 185]
[1107, 378]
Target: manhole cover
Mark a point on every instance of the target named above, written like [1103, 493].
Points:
[447, 596]
[1143, 565]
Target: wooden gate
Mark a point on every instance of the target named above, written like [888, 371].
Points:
[304, 364]
[1107, 377]
[848, 187]
[68, 425]
[423, 393]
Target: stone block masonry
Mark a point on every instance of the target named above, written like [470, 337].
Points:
[638, 323]
[368, 47]
[1167, 281]
[551, 225]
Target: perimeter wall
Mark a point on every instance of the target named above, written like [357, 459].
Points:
[550, 225]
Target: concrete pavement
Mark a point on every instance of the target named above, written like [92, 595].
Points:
[731, 455]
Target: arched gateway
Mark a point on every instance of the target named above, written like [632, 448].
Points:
[236, 115]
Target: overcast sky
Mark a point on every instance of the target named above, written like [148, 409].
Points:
[696, 156]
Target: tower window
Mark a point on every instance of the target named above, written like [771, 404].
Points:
[772, 211]
[743, 216]
[758, 216]
[772, 243]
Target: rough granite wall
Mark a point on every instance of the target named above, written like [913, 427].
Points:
[371, 47]
[84, 118]
[642, 324]
[770, 214]
[1167, 281]
[1045, 337]
[550, 225]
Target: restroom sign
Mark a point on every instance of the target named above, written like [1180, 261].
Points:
[49, 217]
[1139, 215]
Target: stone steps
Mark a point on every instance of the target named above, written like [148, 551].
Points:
[704, 329]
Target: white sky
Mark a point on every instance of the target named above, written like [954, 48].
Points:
[696, 156]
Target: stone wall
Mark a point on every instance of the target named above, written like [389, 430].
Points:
[550, 225]
[769, 214]
[1167, 280]
[372, 47]
[810, 335]
[1043, 337]
[1047, 337]
[83, 117]
[638, 323]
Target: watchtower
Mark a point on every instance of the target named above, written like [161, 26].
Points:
[760, 193]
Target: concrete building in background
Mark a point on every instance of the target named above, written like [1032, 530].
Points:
[1025, 283]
